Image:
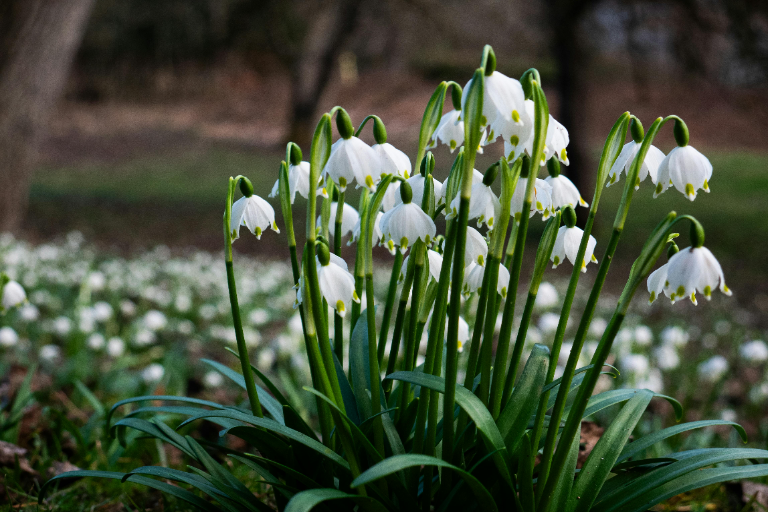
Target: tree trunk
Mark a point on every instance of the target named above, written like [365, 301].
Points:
[35, 58]
[312, 69]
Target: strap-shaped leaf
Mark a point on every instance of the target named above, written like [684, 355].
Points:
[637, 487]
[400, 462]
[165, 398]
[513, 420]
[272, 406]
[691, 481]
[270, 385]
[615, 396]
[565, 483]
[474, 408]
[307, 500]
[152, 429]
[430, 120]
[525, 474]
[646, 442]
[275, 427]
[173, 490]
[606, 451]
[350, 403]
[555, 384]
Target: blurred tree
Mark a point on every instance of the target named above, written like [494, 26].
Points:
[38, 39]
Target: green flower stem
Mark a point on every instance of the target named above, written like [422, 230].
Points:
[511, 245]
[359, 268]
[427, 304]
[517, 353]
[486, 350]
[242, 349]
[548, 461]
[338, 320]
[397, 265]
[287, 209]
[394, 349]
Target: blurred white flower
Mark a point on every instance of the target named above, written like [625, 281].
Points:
[548, 322]
[153, 373]
[50, 353]
[183, 303]
[102, 311]
[728, 415]
[29, 312]
[759, 393]
[155, 320]
[127, 308]
[636, 365]
[547, 296]
[97, 281]
[96, 341]
[185, 327]
[13, 295]
[144, 337]
[597, 327]
[666, 357]
[62, 325]
[8, 337]
[652, 381]
[87, 321]
[755, 351]
[722, 327]
[259, 316]
[643, 335]
[115, 347]
[213, 379]
[675, 336]
[713, 368]
[266, 359]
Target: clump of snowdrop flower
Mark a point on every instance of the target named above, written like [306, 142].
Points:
[336, 283]
[568, 241]
[542, 199]
[251, 211]
[650, 166]
[351, 159]
[406, 223]
[686, 169]
[350, 219]
[713, 369]
[153, 373]
[8, 337]
[755, 351]
[13, 293]
[563, 191]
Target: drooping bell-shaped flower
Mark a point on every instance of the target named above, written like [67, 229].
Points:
[557, 141]
[473, 281]
[483, 203]
[449, 131]
[417, 187]
[393, 161]
[389, 200]
[351, 159]
[407, 222]
[336, 284]
[477, 177]
[252, 212]
[434, 262]
[686, 169]
[298, 182]
[542, 199]
[503, 104]
[657, 282]
[623, 162]
[694, 269]
[568, 241]
[564, 192]
[349, 219]
[13, 294]
[476, 248]
[376, 229]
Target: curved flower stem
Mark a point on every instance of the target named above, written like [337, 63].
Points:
[242, 349]
[338, 320]
[397, 265]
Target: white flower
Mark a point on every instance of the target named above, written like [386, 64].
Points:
[13, 295]
[541, 203]
[153, 373]
[449, 131]
[393, 161]
[666, 357]
[62, 325]
[623, 163]
[435, 262]
[96, 341]
[254, 213]
[376, 229]
[127, 308]
[564, 192]
[298, 182]
[476, 248]
[567, 246]
[473, 279]
[755, 351]
[50, 353]
[483, 206]
[548, 322]
[97, 281]
[213, 379]
[643, 335]
[759, 393]
[547, 295]
[464, 335]
[337, 285]
[115, 347]
[598, 326]
[713, 368]
[349, 218]
[391, 196]
[8, 337]
[144, 337]
[259, 317]
[694, 269]
[417, 188]
[155, 320]
[729, 415]
[674, 336]
[556, 141]
[657, 282]
[353, 160]
[653, 381]
[102, 311]
[635, 364]
[503, 105]
[686, 169]
[29, 313]
[477, 177]
[406, 223]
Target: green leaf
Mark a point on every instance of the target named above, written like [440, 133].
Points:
[513, 420]
[270, 404]
[358, 366]
[606, 451]
[525, 475]
[350, 404]
[270, 385]
[646, 442]
[555, 383]
[275, 427]
[691, 481]
[472, 110]
[565, 483]
[615, 396]
[400, 462]
[647, 485]
[307, 500]
[154, 430]
[474, 408]
[220, 476]
[288, 473]
[173, 490]
[430, 120]
[165, 398]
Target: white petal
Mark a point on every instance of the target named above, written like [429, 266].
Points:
[656, 282]
[393, 161]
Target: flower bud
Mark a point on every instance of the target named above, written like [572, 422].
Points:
[681, 133]
[569, 217]
[344, 124]
[296, 156]
[323, 254]
[553, 167]
[697, 234]
[672, 250]
[636, 129]
[489, 60]
[527, 81]
[456, 96]
[490, 174]
[427, 164]
[246, 187]
[379, 131]
[406, 194]
[526, 167]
